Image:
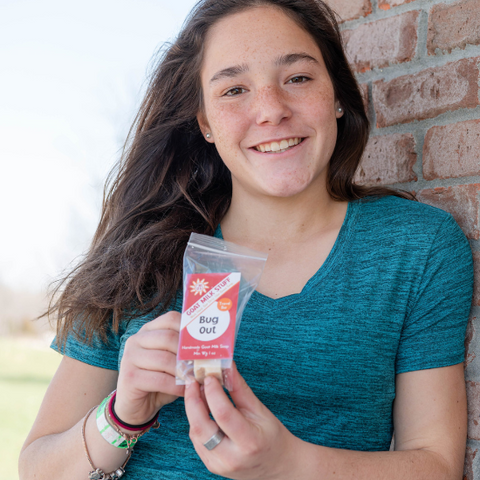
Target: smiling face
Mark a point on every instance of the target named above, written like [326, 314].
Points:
[269, 103]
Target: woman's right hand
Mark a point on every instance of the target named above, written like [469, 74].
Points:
[146, 380]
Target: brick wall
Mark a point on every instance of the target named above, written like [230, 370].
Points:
[419, 65]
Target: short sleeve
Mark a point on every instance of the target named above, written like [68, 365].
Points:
[433, 333]
[97, 353]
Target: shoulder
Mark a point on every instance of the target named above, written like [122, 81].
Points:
[395, 226]
[401, 210]
[394, 216]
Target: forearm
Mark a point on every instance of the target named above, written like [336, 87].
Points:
[62, 455]
[322, 463]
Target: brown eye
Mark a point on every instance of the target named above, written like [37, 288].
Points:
[299, 79]
[234, 91]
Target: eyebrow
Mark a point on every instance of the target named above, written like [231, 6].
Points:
[230, 72]
[291, 58]
[283, 60]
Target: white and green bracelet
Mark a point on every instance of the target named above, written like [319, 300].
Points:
[108, 432]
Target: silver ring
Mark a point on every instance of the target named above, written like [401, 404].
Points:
[214, 440]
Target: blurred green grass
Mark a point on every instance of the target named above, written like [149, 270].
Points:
[26, 368]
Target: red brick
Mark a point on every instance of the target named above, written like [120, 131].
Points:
[427, 94]
[473, 399]
[461, 201]
[388, 4]
[381, 43]
[471, 331]
[470, 456]
[453, 26]
[452, 150]
[476, 288]
[388, 159]
[350, 9]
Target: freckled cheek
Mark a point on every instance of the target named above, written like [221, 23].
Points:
[321, 107]
[229, 128]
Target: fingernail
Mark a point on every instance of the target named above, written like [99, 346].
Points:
[207, 380]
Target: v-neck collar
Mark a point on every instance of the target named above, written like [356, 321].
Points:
[325, 268]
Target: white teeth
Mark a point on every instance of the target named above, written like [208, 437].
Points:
[278, 147]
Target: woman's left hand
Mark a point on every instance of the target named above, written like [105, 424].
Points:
[256, 444]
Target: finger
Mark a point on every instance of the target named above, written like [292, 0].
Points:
[157, 340]
[228, 418]
[242, 395]
[202, 427]
[167, 321]
[202, 396]
[151, 382]
[156, 361]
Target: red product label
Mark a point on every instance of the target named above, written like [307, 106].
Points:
[209, 316]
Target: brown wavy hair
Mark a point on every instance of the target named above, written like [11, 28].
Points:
[171, 182]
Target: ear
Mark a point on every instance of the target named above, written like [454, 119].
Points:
[338, 109]
[205, 127]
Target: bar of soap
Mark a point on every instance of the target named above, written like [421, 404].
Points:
[204, 368]
[184, 370]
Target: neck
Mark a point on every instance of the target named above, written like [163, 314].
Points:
[255, 221]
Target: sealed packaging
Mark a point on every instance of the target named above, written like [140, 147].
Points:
[218, 279]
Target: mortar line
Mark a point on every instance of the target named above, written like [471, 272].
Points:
[422, 35]
[418, 65]
[438, 182]
[475, 245]
[447, 118]
[380, 14]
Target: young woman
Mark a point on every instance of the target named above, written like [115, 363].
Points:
[251, 130]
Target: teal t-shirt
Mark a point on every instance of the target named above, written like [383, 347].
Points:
[393, 296]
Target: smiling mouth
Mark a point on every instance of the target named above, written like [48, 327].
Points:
[279, 147]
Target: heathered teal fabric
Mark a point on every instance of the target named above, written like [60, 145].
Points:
[393, 296]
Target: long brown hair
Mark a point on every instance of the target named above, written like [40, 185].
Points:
[171, 182]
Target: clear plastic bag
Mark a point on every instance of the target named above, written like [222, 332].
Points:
[218, 279]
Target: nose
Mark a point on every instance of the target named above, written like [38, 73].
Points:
[271, 106]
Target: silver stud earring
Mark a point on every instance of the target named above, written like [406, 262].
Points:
[208, 135]
[340, 109]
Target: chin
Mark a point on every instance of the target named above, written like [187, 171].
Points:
[292, 183]
[285, 190]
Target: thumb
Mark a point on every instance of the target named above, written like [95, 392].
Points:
[242, 395]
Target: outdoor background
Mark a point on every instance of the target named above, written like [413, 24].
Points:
[72, 77]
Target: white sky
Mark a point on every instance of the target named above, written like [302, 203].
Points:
[71, 76]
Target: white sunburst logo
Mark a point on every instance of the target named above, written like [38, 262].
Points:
[199, 287]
